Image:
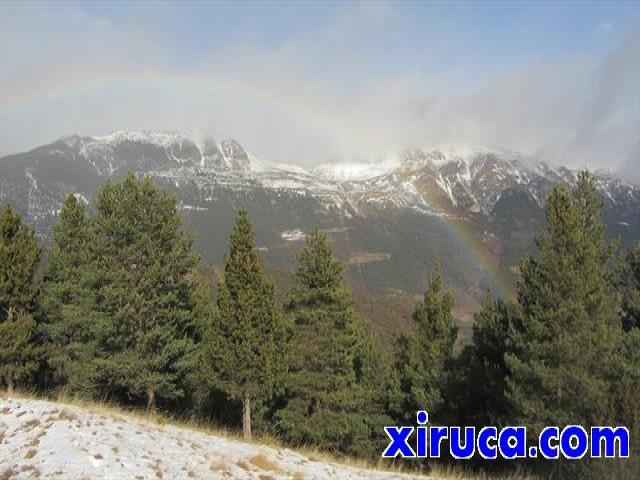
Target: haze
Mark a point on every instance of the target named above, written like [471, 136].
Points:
[311, 83]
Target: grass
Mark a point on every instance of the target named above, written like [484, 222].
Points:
[158, 420]
[31, 453]
[265, 463]
[8, 474]
[452, 473]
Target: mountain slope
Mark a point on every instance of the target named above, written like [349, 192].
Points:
[477, 210]
[41, 439]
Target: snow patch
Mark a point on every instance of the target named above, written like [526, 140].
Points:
[295, 235]
[61, 441]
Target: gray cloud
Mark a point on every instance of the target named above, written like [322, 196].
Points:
[324, 97]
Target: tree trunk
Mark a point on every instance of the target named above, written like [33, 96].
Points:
[246, 417]
[10, 388]
[151, 400]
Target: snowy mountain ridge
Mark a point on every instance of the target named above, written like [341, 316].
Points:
[400, 211]
[439, 181]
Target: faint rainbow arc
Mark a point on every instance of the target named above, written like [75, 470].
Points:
[458, 229]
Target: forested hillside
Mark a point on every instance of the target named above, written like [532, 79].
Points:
[118, 309]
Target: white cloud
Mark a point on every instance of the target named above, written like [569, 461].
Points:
[325, 96]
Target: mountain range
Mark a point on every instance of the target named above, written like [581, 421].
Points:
[477, 210]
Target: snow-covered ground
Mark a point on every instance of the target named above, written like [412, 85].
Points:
[40, 439]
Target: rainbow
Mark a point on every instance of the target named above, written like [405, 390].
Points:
[310, 113]
[468, 239]
[306, 108]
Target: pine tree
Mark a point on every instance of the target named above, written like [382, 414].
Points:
[146, 278]
[564, 343]
[19, 257]
[630, 288]
[69, 300]
[422, 356]
[624, 400]
[478, 396]
[246, 347]
[326, 400]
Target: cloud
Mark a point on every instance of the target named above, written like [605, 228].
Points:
[353, 87]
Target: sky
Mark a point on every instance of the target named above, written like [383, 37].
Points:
[318, 82]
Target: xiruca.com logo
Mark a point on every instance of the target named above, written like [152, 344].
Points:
[571, 442]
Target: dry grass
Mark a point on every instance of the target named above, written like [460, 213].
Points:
[157, 467]
[452, 473]
[8, 474]
[68, 415]
[155, 419]
[31, 453]
[31, 423]
[32, 469]
[221, 466]
[265, 463]
[119, 413]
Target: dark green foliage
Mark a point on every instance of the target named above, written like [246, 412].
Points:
[623, 408]
[247, 345]
[564, 345]
[127, 315]
[566, 336]
[422, 357]
[327, 396]
[146, 280]
[19, 257]
[478, 390]
[70, 301]
[630, 288]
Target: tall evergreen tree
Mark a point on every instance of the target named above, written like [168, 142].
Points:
[326, 398]
[146, 279]
[423, 355]
[19, 257]
[564, 343]
[624, 400]
[246, 347]
[69, 300]
[630, 288]
[478, 394]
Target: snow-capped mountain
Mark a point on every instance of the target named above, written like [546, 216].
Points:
[396, 214]
[433, 182]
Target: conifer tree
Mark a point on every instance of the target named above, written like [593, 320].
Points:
[19, 257]
[564, 343]
[69, 300]
[478, 390]
[630, 288]
[146, 277]
[326, 401]
[423, 355]
[624, 400]
[246, 347]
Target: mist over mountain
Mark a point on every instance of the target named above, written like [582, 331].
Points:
[332, 83]
[478, 210]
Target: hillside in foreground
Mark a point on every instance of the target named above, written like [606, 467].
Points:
[41, 439]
